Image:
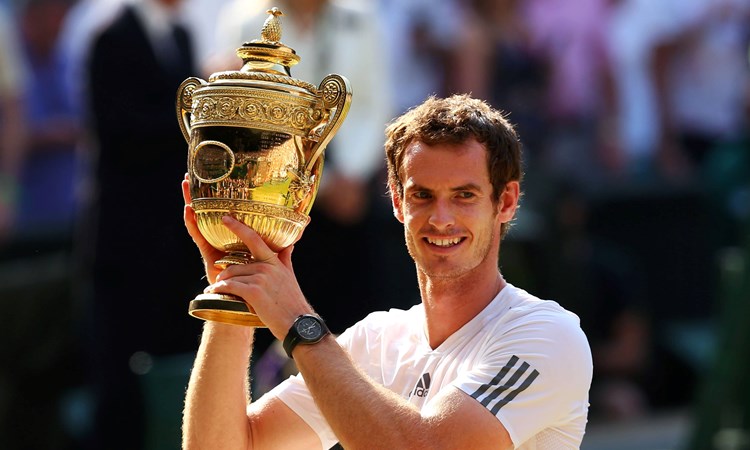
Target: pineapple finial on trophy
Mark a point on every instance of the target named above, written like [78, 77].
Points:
[271, 30]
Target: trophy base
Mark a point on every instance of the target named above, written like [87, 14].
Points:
[225, 308]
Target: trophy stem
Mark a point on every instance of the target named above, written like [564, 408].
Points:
[232, 258]
[225, 308]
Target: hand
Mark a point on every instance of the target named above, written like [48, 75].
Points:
[268, 284]
[208, 252]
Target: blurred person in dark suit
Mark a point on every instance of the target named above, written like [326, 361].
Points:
[134, 69]
[12, 125]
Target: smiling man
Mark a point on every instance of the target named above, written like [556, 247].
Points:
[479, 363]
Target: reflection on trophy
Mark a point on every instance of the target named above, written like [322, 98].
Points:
[256, 142]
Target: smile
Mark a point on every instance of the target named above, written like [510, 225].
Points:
[444, 242]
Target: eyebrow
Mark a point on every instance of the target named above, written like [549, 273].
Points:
[464, 187]
[467, 187]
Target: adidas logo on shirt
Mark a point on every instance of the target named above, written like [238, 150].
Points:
[422, 387]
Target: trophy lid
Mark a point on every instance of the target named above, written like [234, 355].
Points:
[267, 58]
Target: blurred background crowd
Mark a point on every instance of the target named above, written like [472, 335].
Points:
[635, 119]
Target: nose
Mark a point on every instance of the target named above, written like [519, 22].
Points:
[441, 215]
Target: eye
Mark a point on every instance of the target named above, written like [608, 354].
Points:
[421, 195]
[466, 195]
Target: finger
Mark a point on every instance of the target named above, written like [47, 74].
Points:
[241, 270]
[186, 191]
[191, 223]
[253, 241]
[241, 285]
[238, 287]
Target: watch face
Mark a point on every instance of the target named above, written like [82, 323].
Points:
[309, 328]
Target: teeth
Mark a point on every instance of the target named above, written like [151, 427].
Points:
[444, 242]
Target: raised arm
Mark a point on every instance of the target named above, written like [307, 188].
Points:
[218, 411]
[362, 413]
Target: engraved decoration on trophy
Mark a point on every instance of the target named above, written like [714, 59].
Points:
[256, 141]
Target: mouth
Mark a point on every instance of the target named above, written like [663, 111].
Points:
[444, 242]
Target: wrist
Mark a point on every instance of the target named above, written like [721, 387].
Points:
[301, 351]
[226, 331]
[307, 329]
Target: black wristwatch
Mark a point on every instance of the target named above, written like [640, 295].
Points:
[306, 329]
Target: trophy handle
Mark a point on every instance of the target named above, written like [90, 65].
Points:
[336, 94]
[185, 103]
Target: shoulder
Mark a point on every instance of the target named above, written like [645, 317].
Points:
[534, 368]
[544, 328]
[119, 27]
[124, 20]
[524, 308]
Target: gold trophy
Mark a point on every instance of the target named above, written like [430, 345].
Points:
[256, 142]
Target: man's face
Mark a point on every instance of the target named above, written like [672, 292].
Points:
[451, 224]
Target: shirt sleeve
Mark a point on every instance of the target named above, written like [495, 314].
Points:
[294, 393]
[535, 376]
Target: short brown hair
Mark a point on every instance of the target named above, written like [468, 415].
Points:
[453, 120]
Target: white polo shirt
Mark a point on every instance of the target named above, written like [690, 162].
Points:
[524, 359]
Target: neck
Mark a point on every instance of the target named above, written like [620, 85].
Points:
[449, 303]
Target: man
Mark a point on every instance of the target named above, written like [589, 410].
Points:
[478, 364]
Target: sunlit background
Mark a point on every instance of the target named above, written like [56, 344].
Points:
[635, 119]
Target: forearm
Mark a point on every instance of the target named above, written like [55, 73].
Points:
[360, 412]
[218, 393]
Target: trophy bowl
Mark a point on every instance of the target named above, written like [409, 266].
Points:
[256, 142]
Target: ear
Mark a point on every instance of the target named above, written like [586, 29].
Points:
[398, 207]
[508, 201]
